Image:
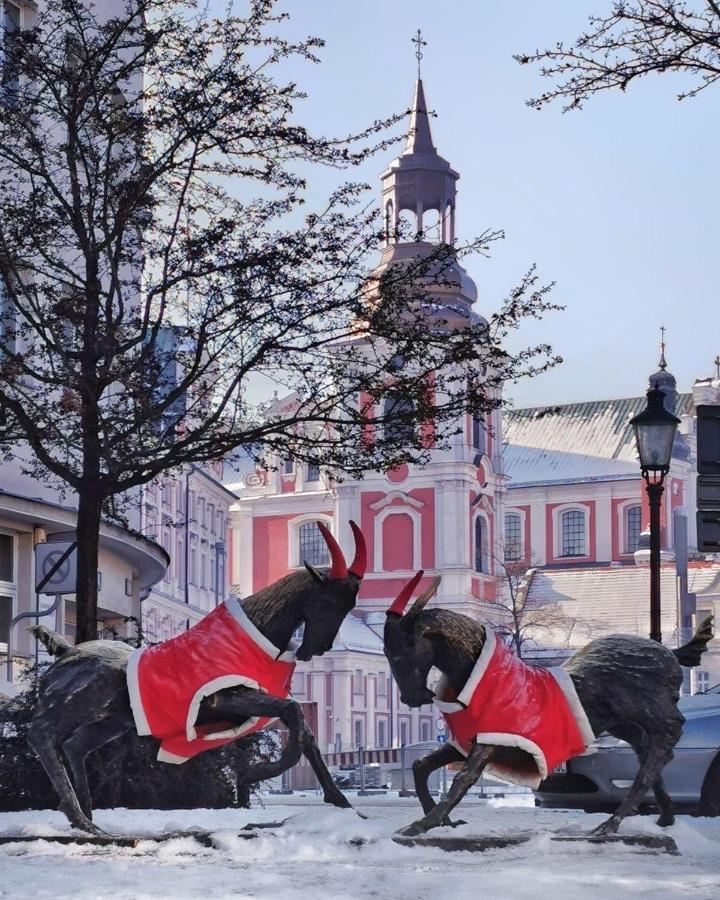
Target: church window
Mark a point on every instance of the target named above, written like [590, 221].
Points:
[572, 525]
[478, 434]
[313, 472]
[633, 516]
[513, 537]
[358, 732]
[398, 418]
[312, 547]
[288, 467]
[481, 546]
[424, 731]
[404, 731]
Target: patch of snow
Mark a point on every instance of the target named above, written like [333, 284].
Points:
[311, 856]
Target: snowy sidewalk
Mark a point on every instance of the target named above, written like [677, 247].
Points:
[311, 857]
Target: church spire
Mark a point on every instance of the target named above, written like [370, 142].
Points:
[419, 139]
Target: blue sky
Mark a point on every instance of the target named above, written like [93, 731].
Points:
[617, 203]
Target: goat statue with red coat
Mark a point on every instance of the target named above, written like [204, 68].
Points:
[226, 677]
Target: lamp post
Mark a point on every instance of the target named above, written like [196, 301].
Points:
[655, 429]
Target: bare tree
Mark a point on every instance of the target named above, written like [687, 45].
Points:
[636, 38]
[522, 620]
[157, 275]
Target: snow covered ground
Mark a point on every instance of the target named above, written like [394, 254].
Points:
[311, 857]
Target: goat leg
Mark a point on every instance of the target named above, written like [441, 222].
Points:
[331, 792]
[236, 705]
[657, 754]
[476, 761]
[41, 739]
[424, 766]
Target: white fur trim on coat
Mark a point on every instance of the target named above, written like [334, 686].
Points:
[211, 687]
[566, 685]
[138, 710]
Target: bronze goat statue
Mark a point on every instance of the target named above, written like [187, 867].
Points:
[521, 721]
[224, 678]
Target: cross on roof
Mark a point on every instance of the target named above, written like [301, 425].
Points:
[419, 44]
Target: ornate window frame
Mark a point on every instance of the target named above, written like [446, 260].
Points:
[378, 524]
[557, 529]
[483, 515]
[622, 524]
[294, 561]
[512, 511]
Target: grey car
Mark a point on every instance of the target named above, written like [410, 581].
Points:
[598, 780]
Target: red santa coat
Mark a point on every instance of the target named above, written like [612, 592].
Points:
[533, 716]
[168, 682]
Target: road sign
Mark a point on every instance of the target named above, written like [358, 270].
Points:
[440, 724]
[441, 738]
[46, 556]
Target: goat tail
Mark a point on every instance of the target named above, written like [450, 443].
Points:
[689, 654]
[54, 644]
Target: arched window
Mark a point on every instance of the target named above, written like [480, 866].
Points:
[633, 516]
[513, 537]
[431, 226]
[572, 526]
[312, 547]
[398, 425]
[481, 545]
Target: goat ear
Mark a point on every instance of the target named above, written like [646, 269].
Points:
[315, 575]
[422, 601]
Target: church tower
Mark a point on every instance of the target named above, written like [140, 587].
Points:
[445, 517]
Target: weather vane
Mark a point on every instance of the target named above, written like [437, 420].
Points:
[419, 44]
[663, 364]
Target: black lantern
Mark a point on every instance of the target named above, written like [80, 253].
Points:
[655, 429]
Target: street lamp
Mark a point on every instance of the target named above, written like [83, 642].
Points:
[655, 429]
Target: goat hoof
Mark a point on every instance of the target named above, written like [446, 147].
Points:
[413, 830]
[339, 800]
[453, 823]
[609, 827]
[666, 820]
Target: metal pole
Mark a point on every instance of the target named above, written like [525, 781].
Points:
[361, 751]
[34, 614]
[655, 492]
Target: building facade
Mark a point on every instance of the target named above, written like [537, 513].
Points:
[187, 513]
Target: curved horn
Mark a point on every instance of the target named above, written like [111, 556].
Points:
[338, 569]
[401, 601]
[359, 564]
[423, 600]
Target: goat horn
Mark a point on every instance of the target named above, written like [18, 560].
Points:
[359, 564]
[423, 600]
[338, 569]
[401, 601]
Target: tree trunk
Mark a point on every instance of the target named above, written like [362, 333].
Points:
[88, 538]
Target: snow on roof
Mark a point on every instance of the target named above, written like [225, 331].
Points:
[574, 441]
[355, 635]
[607, 600]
